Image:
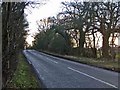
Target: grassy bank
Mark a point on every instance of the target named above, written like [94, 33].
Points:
[102, 63]
[23, 76]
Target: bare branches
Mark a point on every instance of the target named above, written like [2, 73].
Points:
[13, 38]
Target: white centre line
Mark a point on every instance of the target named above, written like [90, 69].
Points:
[93, 77]
[51, 60]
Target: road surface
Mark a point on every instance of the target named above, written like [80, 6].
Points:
[60, 73]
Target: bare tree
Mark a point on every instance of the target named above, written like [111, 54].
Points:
[107, 21]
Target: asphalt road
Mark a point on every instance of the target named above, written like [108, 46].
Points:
[60, 73]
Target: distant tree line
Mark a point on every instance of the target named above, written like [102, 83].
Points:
[78, 28]
[13, 36]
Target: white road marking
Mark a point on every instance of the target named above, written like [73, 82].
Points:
[51, 60]
[92, 77]
[37, 71]
[55, 62]
[43, 57]
[39, 74]
[29, 62]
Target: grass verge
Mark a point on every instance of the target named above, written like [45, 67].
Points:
[110, 64]
[102, 63]
[23, 76]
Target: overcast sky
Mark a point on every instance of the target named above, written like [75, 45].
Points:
[51, 8]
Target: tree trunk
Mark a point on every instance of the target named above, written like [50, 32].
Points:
[105, 45]
[5, 19]
[81, 42]
[94, 48]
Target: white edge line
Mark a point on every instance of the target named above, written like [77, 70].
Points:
[37, 71]
[39, 74]
[93, 77]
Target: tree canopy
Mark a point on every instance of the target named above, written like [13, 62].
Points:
[81, 25]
